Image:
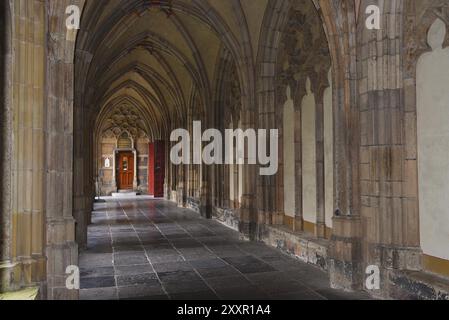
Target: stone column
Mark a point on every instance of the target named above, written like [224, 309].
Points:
[135, 182]
[83, 194]
[320, 228]
[205, 199]
[235, 170]
[181, 189]
[299, 219]
[345, 256]
[225, 187]
[114, 170]
[270, 193]
[345, 247]
[22, 261]
[248, 205]
[6, 265]
[61, 248]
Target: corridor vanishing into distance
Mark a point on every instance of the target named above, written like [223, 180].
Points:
[151, 249]
[315, 130]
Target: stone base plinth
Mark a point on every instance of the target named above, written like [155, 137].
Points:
[298, 245]
[227, 217]
[345, 254]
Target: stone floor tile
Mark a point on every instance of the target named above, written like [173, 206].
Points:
[243, 293]
[208, 263]
[178, 276]
[96, 260]
[172, 266]
[93, 272]
[166, 258]
[221, 272]
[150, 279]
[140, 292]
[130, 259]
[185, 287]
[234, 282]
[99, 294]
[97, 282]
[133, 270]
[163, 252]
[301, 295]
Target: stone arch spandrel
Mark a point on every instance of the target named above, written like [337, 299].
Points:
[303, 51]
[419, 16]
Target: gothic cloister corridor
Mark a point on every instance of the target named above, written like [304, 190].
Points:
[245, 149]
[150, 249]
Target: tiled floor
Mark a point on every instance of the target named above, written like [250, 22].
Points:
[151, 249]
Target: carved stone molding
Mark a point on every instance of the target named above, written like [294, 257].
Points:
[303, 52]
[419, 17]
[124, 118]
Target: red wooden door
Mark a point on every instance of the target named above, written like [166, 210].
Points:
[156, 169]
[159, 170]
[126, 170]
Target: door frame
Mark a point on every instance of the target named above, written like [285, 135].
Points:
[115, 167]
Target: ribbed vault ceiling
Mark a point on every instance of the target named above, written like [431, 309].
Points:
[131, 50]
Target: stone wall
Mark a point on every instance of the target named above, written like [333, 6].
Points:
[426, 41]
[63, 82]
